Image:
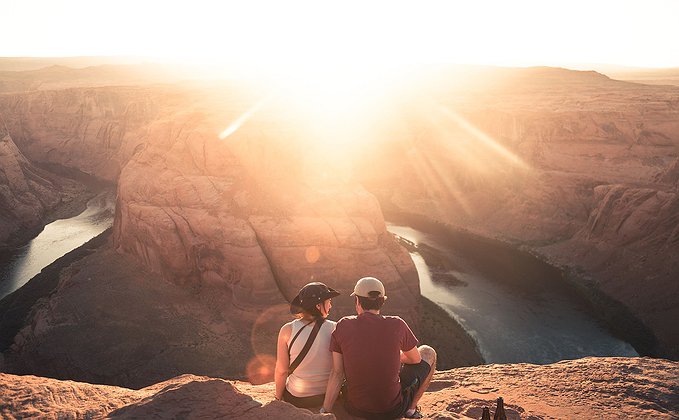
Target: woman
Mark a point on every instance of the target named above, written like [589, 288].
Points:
[305, 385]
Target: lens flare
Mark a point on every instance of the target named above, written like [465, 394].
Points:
[238, 123]
[260, 369]
[436, 180]
[312, 254]
[263, 339]
[484, 138]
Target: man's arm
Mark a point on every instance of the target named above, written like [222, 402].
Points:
[282, 360]
[411, 357]
[334, 382]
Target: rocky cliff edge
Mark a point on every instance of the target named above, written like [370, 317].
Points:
[604, 388]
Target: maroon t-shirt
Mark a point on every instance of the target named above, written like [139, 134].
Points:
[370, 345]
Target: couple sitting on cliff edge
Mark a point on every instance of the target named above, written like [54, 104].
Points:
[373, 359]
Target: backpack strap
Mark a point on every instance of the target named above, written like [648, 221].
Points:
[307, 346]
[297, 335]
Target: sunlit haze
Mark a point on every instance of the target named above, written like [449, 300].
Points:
[299, 33]
[335, 64]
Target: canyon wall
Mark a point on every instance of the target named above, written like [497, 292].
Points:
[580, 170]
[247, 217]
[211, 239]
[92, 129]
[27, 193]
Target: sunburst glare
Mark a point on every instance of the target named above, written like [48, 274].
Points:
[484, 139]
[242, 119]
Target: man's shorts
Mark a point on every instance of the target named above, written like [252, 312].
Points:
[411, 377]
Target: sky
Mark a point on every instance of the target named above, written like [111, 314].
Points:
[566, 33]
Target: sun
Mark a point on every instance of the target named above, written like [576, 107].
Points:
[336, 103]
[342, 99]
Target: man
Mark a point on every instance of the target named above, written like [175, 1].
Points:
[386, 372]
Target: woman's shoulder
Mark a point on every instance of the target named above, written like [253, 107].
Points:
[286, 329]
[328, 327]
[289, 324]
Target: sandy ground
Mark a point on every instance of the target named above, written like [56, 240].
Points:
[601, 388]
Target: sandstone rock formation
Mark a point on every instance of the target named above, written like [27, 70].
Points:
[186, 396]
[109, 320]
[573, 166]
[27, 193]
[188, 187]
[212, 238]
[245, 218]
[605, 388]
[93, 129]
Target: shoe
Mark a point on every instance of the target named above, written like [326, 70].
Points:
[416, 415]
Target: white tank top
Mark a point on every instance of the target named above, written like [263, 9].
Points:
[311, 376]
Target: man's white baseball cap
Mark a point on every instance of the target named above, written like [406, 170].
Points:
[366, 285]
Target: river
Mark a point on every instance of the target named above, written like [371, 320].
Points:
[515, 306]
[57, 239]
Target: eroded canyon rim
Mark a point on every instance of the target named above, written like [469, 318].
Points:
[606, 388]
[211, 235]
